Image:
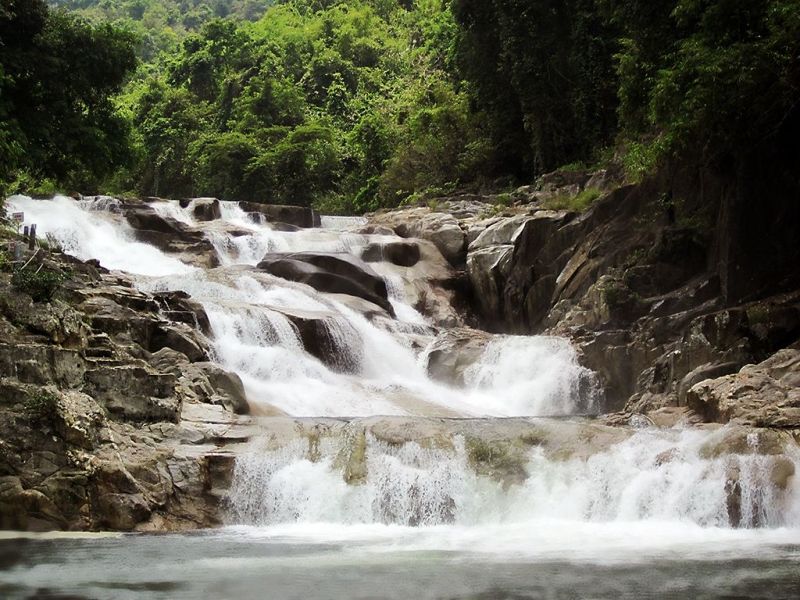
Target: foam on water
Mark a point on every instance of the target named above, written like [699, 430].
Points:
[655, 476]
[95, 233]
[376, 370]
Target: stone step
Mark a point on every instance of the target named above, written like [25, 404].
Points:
[98, 352]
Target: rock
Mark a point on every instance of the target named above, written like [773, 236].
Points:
[42, 364]
[501, 232]
[182, 338]
[286, 227]
[333, 341]
[701, 373]
[229, 386]
[762, 395]
[206, 209]
[178, 306]
[440, 228]
[403, 254]
[134, 393]
[488, 269]
[453, 352]
[172, 236]
[337, 273]
[299, 216]
[145, 218]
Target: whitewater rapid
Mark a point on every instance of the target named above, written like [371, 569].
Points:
[657, 491]
[252, 336]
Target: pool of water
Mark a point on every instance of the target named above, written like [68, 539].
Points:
[331, 562]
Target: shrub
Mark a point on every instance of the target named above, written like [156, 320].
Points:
[41, 406]
[40, 284]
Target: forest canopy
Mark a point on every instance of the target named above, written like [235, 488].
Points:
[353, 105]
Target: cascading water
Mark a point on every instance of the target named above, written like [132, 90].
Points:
[661, 477]
[375, 370]
[656, 488]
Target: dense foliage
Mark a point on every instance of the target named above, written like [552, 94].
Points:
[58, 75]
[160, 24]
[356, 104]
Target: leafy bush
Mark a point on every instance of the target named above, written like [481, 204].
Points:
[38, 284]
[41, 406]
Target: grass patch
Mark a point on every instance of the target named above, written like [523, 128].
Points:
[577, 203]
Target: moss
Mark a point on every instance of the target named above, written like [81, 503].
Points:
[355, 471]
[501, 461]
[758, 314]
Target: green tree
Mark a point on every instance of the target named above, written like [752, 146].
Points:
[57, 77]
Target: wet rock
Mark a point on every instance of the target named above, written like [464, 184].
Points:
[337, 273]
[453, 352]
[763, 395]
[299, 216]
[206, 209]
[488, 269]
[333, 341]
[403, 254]
[182, 338]
[229, 386]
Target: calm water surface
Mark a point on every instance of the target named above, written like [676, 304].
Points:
[381, 562]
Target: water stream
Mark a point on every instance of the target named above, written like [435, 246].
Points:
[421, 519]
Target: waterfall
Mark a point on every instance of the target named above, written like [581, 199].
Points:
[372, 370]
[652, 476]
[309, 354]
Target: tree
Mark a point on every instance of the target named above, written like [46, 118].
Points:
[57, 76]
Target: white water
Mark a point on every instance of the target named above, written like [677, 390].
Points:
[375, 370]
[655, 476]
[625, 499]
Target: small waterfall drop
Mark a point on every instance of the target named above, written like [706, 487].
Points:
[652, 476]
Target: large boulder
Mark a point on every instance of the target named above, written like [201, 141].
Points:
[206, 209]
[336, 273]
[442, 229]
[169, 235]
[503, 231]
[299, 216]
[764, 395]
[488, 269]
[402, 254]
[453, 352]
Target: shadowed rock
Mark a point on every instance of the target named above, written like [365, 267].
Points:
[336, 273]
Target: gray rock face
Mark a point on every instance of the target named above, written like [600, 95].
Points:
[299, 216]
[207, 209]
[453, 351]
[402, 254]
[170, 235]
[440, 228]
[762, 395]
[488, 268]
[336, 273]
[92, 386]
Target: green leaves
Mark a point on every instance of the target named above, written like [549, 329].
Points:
[57, 75]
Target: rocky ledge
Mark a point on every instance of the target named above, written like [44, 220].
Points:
[111, 415]
[667, 295]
